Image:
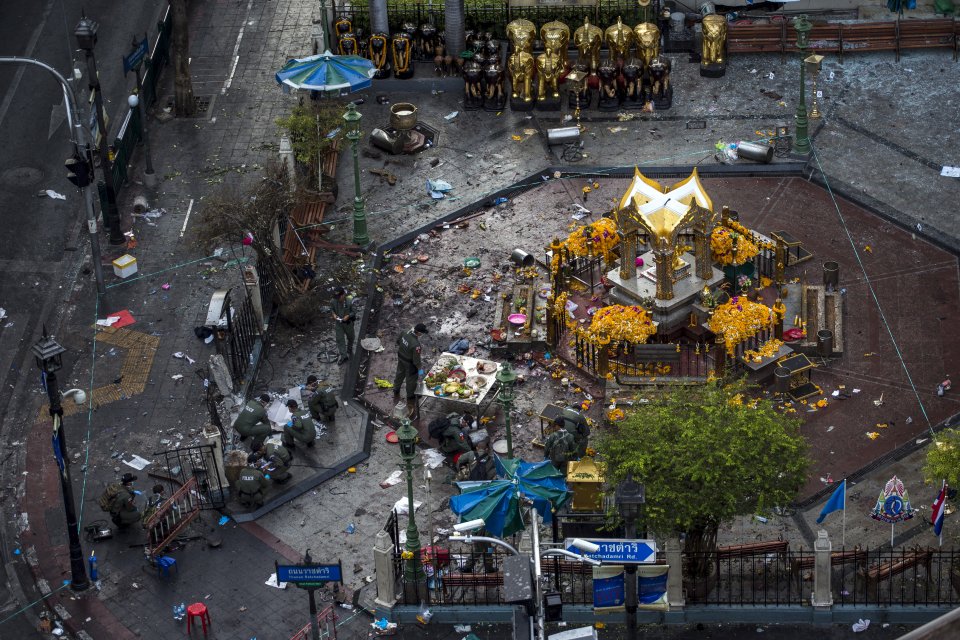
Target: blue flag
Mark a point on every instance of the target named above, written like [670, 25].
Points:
[837, 501]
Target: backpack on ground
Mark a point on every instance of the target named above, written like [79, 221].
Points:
[109, 496]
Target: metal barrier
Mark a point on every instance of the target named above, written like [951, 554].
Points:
[326, 622]
[236, 335]
[172, 517]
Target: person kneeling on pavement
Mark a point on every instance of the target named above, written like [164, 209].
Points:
[253, 421]
[275, 461]
[118, 500]
[323, 403]
[300, 428]
[251, 485]
[578, 427]
[560, 446]
[449, 432]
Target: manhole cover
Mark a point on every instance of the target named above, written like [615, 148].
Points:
[201, 105]
[19, 176]
[696, 124]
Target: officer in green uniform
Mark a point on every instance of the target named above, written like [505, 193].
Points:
[452, 438]
[277, 459]
[251, 486]
[123, 509]
[409, 364]
[300, 427]
[343, 323]
[253, 421]
[560, 447]
[323, 403]
[578, 427]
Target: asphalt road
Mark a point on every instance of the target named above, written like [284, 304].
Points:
[43, 238]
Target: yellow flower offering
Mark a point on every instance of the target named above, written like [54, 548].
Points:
[767, 350]
[730, 247]
[619, 323]
[822, 402]
[615, 415]
[873, 435]
[739, 320]
[598, 238]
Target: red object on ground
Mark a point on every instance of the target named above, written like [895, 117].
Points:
[126, 318]
[198, 610]
[793, 334]
[392, 437]
[437, 556]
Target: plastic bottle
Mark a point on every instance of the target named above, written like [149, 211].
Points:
[351, 528]
[94, 572]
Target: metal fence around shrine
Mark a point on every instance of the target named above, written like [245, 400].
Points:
[473, 575]
[492, 17]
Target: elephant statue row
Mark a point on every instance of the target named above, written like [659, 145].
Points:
[635, 85]
[484, 86]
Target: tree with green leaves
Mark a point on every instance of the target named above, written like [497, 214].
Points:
[706, 454]
[943, 459]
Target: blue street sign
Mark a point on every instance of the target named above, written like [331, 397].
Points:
[313, 574]
[135, 57]
[619, 551]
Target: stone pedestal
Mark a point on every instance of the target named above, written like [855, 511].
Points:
[383, 565]
[822, 594]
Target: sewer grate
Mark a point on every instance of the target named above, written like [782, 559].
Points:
[696, 124]
[201, 105]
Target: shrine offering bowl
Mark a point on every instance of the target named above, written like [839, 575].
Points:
[403, 116]
[517, 318]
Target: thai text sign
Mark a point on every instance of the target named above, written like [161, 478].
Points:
[309, 574]
[619, 551]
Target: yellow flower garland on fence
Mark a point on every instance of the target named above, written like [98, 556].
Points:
[617, 323]
[722, 244]
[598, 238]
[739, 320]
[739, 228]
[768, 349]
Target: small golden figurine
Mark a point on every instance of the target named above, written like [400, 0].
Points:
[521, 65]
[588, 39]
[713, 56]
[548, 73]
[619, 39]
[521, 34]
[556, 38]
[647, 36]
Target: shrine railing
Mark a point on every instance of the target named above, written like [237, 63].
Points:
[688, 361]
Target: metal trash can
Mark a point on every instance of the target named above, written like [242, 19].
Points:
[388, 142]
[831, 275]
[521, 258]
[781, 376]
[563, 135]
[756, 152]
[824, 343]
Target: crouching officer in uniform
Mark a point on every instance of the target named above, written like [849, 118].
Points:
[323, 403]
[123, 509]
[251, 485]
[300, 428]
[578, 427]
[560, 446]
[253, 421]
[275, 459]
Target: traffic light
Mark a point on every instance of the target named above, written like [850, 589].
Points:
[78, 171]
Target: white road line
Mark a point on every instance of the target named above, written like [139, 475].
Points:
[236, 51]
[28, 53]
[183, 229]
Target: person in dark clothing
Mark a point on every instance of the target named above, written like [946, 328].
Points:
[274, 460]
[300, 427]
[560, 447]
[409, 364]
[251, 487]
[323, 402]
[578, 427]
[342, 311]
[123, 509]
[253, 421]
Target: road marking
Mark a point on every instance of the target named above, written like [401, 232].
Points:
[183, 229]
[236, 52]
[31, 44]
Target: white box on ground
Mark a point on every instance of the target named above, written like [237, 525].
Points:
[583, 633]
[125, 265]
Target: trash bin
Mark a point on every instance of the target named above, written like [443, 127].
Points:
[781, 376]
[824, 343]
[831, 275]
[756, 152]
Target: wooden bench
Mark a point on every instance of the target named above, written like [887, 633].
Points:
[868, 36]
[454, 580]
[757, 38]
[825, 38]
[879, 572]
[928, 34]
[854, 556]
[750, 549]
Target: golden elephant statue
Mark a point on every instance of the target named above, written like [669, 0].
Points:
[648, 42]
[588, 39]
[619, 39]
[714, 40]
[520, 64]
[549, 68]
[521, 34]
[556, 38]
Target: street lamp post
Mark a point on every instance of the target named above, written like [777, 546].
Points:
[413, 569]
[49, 357]
[86, 34]
[507, 379]
[629, 496]
[352, 118]
[149, 177]
[803, 27]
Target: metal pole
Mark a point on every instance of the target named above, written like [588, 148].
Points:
[537, 595]
[149, 177]
[111, 216]
[414, 568]
[630, 579]
[314, 625]
[80, 141]
[803, 137]
[360, 236]
[78, 570]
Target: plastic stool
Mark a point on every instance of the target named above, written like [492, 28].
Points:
[164, 564]
[198, 610]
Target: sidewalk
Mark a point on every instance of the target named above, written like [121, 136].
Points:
[478, 155]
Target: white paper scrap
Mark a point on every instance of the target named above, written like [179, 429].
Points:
[950, 172]
[137, 462]
[272, 582]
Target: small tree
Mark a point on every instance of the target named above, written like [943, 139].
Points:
[706, 454]
[309, 127]
[182, 84]
[943, 459]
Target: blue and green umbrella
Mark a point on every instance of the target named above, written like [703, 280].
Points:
[498, 502]
[327, 72]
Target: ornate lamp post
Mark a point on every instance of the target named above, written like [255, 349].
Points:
[413, 570]
[352, 118]
[86, 34]
[803, 27]
[629, 496]
[49, 357]
[507, 378]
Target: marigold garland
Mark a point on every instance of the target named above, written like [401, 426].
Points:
[768, 349]
[739, 320]
[617, 323]
[598, 238]
[722, 246]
